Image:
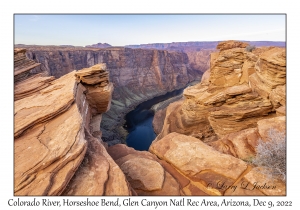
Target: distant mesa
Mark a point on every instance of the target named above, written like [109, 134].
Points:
[99, 45]
[197, 45]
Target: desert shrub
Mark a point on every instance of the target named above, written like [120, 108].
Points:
[271, 155]
[249, 48]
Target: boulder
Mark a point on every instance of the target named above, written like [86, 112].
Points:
[201, 164]
[96, 74]
[144, 171]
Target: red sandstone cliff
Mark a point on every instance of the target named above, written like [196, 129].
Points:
[57, 126]
[137, 75]
[239, 100]
[239, 89]
[185, 165]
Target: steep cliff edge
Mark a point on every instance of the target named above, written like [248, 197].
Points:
[240, 89]
[57, 126]
[137, 75]
[211, 136]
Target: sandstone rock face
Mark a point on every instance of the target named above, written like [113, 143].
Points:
[227, 68]
[270, 75]
[230, 110]
[27, 82]
[200, 60]
[243, 144]
[277, 124]
[53, 122]
[281, 111]
[44, 106]
[22, 65]
[230, 100]
[95, 75]
[96, 82]
[198, 161]
[44, 165]
[31, 85]
[47, 155]
[265, 184]
[98, 174]
[206, 171]
[240, 144]
[158, 120]
[231, 44]
[144, 174]
[144, 171]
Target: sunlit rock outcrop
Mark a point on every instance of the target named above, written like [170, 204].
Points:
[230, 97]
[198, 162]
[144, 171]
[22, 64]
[221, 121]
[49, 139]
[212, 172]
[55, 121]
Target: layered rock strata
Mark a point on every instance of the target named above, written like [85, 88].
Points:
[238, 102]
[243, 144]
[27, 82]
[54, 128]
[22, 65]
[137, 75]
[31, 85]
[49, 139]
[240, 89]
[231, 44]
[147, 174]
[211, 172]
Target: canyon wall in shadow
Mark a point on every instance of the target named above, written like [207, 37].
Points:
[137, 75]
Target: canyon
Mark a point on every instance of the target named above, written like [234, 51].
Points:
[138, 72]
[205, 140]
[137, 75]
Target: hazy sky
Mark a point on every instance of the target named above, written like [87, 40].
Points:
[120, 30]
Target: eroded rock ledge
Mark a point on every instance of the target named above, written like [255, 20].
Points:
[239, 100]
[57, 126]
[137, 75]
[240, 89]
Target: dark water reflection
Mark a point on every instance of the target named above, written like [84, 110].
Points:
[139, 122]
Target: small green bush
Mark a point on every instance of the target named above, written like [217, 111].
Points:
[271, 155]
[249, 48]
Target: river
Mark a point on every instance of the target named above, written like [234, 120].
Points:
[139, 122]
